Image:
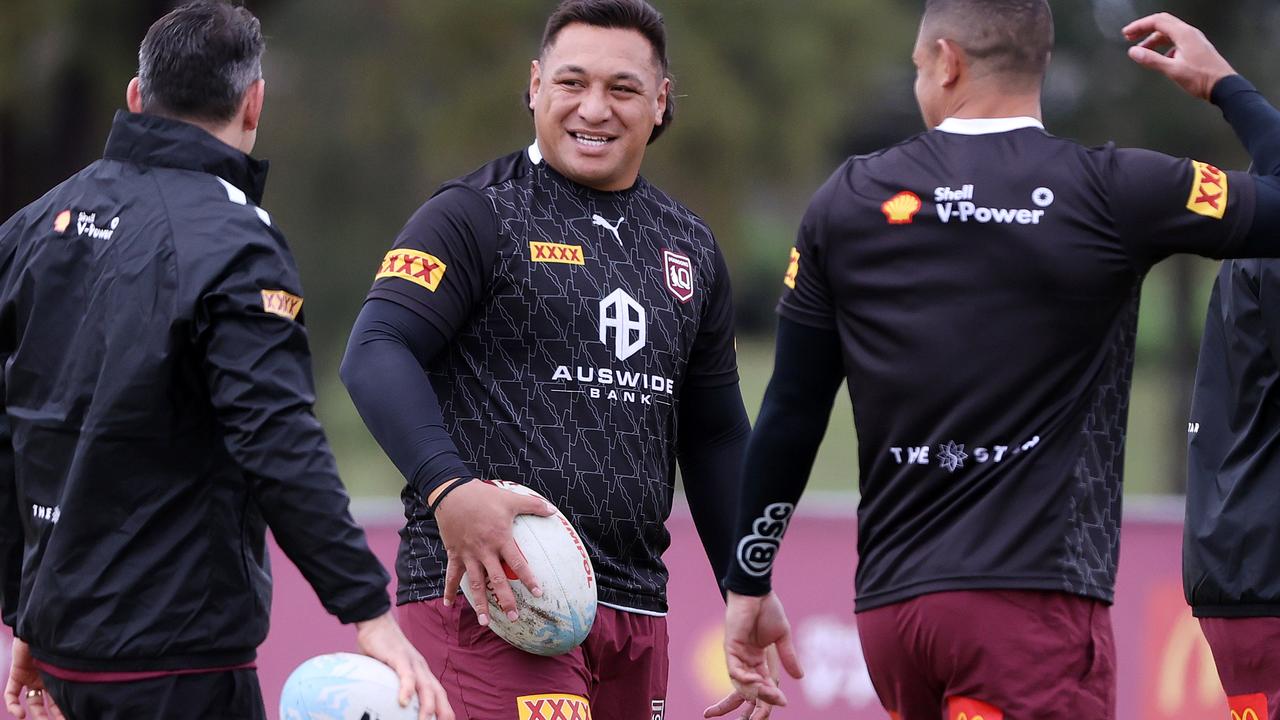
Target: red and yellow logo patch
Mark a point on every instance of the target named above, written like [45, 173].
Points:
[1208, 191]
[793, 270]
[1248, 707]
[416, 267]
[963, 708]
[62, 222]
[279, 302]
[555, 253]
[553, 707]
[901, 209]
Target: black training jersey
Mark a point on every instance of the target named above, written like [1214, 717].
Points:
[1231, 549]
[984, 279]
[575, 318]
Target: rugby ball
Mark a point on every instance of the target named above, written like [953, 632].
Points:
[344, 686]
[558, 621]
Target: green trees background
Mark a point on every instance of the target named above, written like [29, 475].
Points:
[372, 103]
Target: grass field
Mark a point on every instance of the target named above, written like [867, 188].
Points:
[368, 473]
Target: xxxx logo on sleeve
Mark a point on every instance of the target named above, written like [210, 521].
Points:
[412, 265]
[556, 253]
[1248, 707]
[279, 302]
[963, 708]
[1208, 191]
[553, 707]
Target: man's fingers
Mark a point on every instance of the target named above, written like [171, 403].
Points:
[501, 587]
[1151, 59]
[1165, 23]
[789, 657]
[408, 683]
[478, 593]
[36, 706]
[761, 711]
[727, 704]
[443, 710]
[452, 580]
[513, 559]
[426, 692]
[526, 505]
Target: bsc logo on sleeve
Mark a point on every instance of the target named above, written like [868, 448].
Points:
[279, 302]
[793, 270]
[416, 267]
[553, 707]
[1208, 191]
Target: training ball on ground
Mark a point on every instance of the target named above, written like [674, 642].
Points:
[344, 686]
[558, 621]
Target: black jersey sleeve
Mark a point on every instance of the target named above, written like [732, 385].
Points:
[807, 371]
[257, 366]
[440, 264]
[384, 370]
[713, 432]
[1164, 205]
[806, 298]
[713, 360]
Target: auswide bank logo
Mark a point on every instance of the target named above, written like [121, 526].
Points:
[621, 314]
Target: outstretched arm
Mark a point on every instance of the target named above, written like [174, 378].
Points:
[797, 406]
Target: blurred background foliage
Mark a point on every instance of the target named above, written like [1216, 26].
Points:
[373, 103]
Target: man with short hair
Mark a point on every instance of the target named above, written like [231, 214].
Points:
[978, 285]
[156, 396]
[575, 325]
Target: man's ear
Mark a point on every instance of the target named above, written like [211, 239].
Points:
[251, 106]
[664, 91]
[952, 61]
[535, 82]
[133, 96]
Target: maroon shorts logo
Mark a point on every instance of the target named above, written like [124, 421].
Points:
[678, 270]
[658, 709]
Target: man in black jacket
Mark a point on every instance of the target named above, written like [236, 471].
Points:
[156, 400]
[1231, 549]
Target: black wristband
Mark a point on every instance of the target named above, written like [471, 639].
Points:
[440, 498]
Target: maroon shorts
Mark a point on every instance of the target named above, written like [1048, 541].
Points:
[618, 673]
[992, 654]
[1245, 651]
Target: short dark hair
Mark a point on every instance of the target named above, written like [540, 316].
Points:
[198, 61]
[635, 15]
[1012, 38]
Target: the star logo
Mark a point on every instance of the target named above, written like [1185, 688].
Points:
[951, 456]
[1042, 197]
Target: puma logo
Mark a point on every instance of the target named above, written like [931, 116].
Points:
[611, 227]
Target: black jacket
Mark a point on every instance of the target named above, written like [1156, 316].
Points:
[1231, 549]
[157, 418]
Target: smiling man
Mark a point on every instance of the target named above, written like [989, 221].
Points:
[575, 326]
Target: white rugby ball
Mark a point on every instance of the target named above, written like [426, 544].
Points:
[344, 686]
[558, 621]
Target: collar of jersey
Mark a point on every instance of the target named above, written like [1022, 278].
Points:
[987, 126]
[535, 156]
